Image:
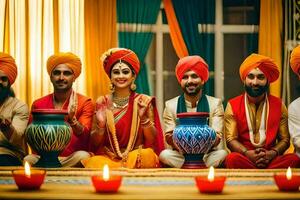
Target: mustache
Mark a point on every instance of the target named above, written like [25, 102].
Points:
[61, 81]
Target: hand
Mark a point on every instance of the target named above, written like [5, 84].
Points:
[103, 103]
[101, 118]
[72, 112]
[4, 123]
[218, 140]
[142, 110]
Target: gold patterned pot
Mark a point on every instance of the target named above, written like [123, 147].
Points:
[48, 135]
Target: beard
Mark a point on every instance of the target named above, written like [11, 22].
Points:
[195, 91]
[5, 92]
[256, 92]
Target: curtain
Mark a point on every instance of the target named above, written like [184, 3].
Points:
[29, 32]
[100, 35]
[270, 36]
[131, 14]
[189, 14]
[175, 32]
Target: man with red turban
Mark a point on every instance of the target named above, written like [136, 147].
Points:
[14, 115]
[192, 73]
[294, 111]
[63, 69]
[256, 123]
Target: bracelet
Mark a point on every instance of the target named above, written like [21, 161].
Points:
[244, 151]
[147, 124]
[73, 122]
[146, 121]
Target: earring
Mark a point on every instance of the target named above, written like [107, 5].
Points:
[112, 88]
[133, 86]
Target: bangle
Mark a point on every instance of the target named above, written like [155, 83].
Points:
[147, 124]
[244, 151]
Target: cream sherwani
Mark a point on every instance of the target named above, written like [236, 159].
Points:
[294, 123]
[17, 112]
[214, 157]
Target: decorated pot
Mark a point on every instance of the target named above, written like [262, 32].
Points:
[193, 137]
[48, 135]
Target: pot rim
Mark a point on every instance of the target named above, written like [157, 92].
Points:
[49, 111]
[192, 114]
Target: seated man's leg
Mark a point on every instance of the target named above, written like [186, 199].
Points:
[238, 161]
[32, 158]
[8, 160]
[285, 161]
[74, 160]
[215, 158]
[171, 158]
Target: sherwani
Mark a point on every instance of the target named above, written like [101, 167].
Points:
[276, 131]
[294, 123]
[217, 154]
[16, 111]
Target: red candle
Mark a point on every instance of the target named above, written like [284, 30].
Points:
[29, 179]
[210, 184]
[287, 182]
[106, 183]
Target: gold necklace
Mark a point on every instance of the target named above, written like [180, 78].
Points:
[120, 102]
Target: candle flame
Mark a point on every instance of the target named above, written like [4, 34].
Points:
[105, 173]
[289, 173]
[27, 169]
[211, 174]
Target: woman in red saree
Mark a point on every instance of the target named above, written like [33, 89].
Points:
[126, 130]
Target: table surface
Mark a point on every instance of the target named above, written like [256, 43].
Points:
[148, 184]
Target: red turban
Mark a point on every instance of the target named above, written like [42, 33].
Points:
[194, 63]
[9, 67]
[70, 59]
[264, 63]
[114, 55]
[295, 60]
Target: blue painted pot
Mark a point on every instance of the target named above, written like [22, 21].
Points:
[48, 135]
[194, 138]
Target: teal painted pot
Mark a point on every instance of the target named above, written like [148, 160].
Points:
[194, 138]
[48, 135]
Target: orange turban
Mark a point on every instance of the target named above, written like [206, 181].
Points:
[114, 55]
[264, 63]
[194, 63]
[70, 59]
[9, 67]
[295, 60]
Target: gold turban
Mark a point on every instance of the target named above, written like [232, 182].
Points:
[9, 67]
[295, 60]
[264, 63]
[70, 59]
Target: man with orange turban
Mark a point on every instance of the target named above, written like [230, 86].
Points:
[63, 69]
[192, 73]
[14, 115]
[294, 112]
[256, 124]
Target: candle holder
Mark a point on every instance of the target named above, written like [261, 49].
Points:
[111, 185]
[29, 182]
[285, 184]
[210, 186]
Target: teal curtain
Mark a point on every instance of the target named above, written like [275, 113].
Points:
[189, 14]
[137, 12]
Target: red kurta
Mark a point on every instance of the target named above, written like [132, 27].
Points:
[84, 114]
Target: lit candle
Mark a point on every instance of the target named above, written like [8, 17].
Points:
[106, 183]
[287, 181]
[28, 179]
[210, 184]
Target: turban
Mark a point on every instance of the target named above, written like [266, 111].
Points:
[70, 59]
[264, 63]
[9, 67]
[295, 60]
[114, 55]
[194, 63]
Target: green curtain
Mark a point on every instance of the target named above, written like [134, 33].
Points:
[189, 14]
[138, 12]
